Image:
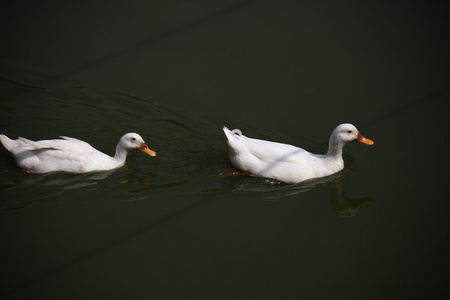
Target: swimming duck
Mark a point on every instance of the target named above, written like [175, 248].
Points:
[70, 154]
[288, 163]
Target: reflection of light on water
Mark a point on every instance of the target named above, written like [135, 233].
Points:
[275, 190]
[24, 190]
[67, 182]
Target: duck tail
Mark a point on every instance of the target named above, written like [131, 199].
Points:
[6, 141]
[236, 133]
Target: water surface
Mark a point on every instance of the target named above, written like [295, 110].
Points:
[172, 226]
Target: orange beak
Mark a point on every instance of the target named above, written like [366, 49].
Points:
[363, 140]
[144, 148]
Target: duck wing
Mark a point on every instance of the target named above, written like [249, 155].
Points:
[67, 148]
[272, 151]
[77, 142]
[24, 140]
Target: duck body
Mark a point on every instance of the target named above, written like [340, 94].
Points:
[287, 163]
[70, 154]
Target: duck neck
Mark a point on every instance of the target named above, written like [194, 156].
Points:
[335, 148]
[121, 154]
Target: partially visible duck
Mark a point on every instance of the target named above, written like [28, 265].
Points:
[70, 154]
[288, 163]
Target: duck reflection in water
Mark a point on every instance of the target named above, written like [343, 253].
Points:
[64, 181]
[343, 205]
[275, 190]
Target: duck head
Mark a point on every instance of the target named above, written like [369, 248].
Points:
[135, 141]
[347, 132]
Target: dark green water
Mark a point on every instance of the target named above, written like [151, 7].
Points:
[170, 227]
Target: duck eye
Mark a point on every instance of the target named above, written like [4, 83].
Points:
[349, 131]
[133, 139]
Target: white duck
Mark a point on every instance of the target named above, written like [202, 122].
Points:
[70, 154]
[288, 163]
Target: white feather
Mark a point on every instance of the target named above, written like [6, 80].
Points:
[288, 163]
[70, 154]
